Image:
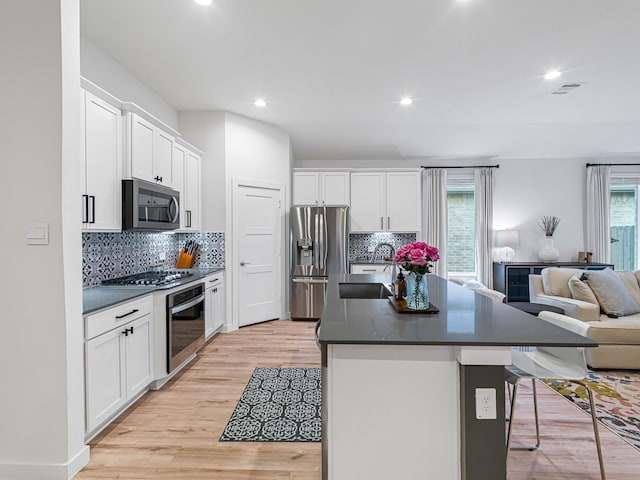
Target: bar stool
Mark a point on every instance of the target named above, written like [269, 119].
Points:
[565, 363]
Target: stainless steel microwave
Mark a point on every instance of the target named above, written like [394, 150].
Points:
[149, 207]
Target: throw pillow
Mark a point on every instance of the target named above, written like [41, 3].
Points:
[613, 297]
[555, 281]
[580, 290]
[629, 279]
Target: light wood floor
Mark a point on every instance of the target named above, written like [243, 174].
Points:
[173, 433]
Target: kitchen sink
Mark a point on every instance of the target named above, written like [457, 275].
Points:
[363, 290]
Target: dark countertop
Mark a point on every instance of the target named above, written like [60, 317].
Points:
[98, 298]
[465, 318]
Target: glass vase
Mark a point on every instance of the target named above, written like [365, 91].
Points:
[417, 291]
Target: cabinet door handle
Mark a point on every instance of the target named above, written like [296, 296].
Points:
[388, 223]
[85, 209]
[188, 212]
[381, 223]
[135, 310]
[215, 290]
[93, 209]
[213, 281]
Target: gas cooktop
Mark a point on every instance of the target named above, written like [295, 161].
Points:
[164, 278]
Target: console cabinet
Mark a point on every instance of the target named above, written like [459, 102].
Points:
[512, 279]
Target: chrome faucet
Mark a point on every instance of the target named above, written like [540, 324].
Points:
[383, 244]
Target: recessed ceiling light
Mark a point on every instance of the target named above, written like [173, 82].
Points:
[552, 74]
[203, 2]
[260, 103]
[406, 101]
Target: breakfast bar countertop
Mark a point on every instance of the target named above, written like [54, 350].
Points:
[465, 318]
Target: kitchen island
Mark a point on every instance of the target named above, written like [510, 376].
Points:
[399, 389]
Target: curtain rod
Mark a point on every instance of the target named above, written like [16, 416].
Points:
[462, 166]
[613, 165]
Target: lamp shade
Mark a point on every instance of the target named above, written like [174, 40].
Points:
[507, 238]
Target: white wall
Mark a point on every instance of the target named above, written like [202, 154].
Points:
[206, 131]
[526, 190]
[101, 69]
[42, 404]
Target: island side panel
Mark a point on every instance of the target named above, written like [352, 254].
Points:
[482, 440]
[391, 412]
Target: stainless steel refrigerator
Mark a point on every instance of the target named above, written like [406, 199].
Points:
[319, 247]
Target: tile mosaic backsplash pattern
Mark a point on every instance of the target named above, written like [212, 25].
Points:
[361, 243]
[109, 255]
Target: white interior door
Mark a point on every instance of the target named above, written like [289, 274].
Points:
[258, 226]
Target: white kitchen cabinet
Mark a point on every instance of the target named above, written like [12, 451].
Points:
[372, 268]
[118, 357]
[192, 191]
[149, 151]
[214, 304]
[101, 150]
[187, 178]
[321, 188]
[385, 201]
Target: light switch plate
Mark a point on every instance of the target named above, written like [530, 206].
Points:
[38, 233]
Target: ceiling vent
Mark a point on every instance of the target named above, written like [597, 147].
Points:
[566, 88]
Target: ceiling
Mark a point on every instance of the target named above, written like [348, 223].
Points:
[333, 71]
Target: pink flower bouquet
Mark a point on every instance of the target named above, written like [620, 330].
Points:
[417, 257]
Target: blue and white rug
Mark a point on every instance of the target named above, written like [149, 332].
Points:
[278, 405]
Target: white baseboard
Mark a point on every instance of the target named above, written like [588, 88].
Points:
[33, 471]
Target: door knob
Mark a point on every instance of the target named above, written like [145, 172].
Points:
[242, 264]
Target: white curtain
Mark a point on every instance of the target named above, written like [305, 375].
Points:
[484, 184]
[598, 222]
[435, 224]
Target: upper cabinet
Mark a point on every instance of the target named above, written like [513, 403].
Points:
[149, 150]
[187, 178]
[385, 201]
[101, 150]
[320, 188]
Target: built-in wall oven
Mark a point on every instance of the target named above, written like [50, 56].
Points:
[185, 324]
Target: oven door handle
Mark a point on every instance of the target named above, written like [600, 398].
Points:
[174, 202]
[184, 306]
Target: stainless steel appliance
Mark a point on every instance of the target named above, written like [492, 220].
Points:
[185, 324]
[160, 279]
[149, 207]
[319, 247]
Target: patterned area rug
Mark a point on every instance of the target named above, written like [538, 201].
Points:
[616, 396]
[278, 405]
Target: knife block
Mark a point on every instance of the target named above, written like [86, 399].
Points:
[185, 260]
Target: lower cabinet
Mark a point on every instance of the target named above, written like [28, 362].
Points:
[214, 304]
[117, 359]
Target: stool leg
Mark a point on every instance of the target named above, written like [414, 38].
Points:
[594, 420]
[511, 412]
[531, 448]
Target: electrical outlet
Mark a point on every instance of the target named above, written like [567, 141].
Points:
[162, 256]
[486, 403]
[371, 249]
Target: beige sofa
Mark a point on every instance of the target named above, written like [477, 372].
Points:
[619, 338]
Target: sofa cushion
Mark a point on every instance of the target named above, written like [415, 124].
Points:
[612, 294]
[555, 280]
[580, 290]
[623, 330]
[630, 281]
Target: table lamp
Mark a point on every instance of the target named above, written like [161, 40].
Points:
[505, 240]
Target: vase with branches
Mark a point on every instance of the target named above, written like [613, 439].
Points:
[549, 225]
